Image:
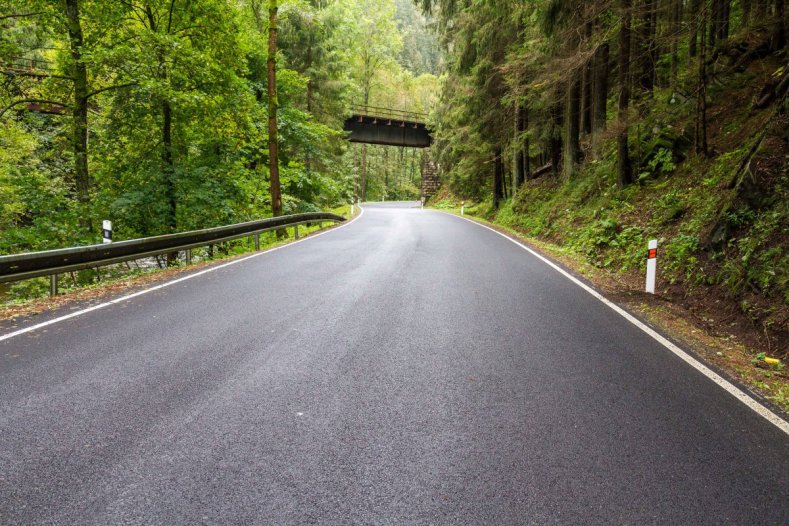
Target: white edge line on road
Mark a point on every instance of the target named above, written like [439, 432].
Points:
[168, 283]
[732, 389]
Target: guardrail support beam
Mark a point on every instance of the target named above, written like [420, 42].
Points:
[188, 255]
[53, 285]
[296, 231]
[257, 241]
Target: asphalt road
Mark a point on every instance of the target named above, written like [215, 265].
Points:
[409, 368]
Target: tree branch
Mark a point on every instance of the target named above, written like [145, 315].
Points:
[108, 88]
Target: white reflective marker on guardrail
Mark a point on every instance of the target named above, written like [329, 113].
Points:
[106, 231]
[651, 265]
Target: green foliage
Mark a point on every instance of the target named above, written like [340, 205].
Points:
[660, 163]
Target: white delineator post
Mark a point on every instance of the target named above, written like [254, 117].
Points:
[651, 265]
[106, 230]
[462, 207]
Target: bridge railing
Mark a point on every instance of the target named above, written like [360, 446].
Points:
[388, 113]
[18, 267]
[26, 64]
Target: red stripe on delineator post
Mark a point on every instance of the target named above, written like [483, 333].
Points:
[651, 265]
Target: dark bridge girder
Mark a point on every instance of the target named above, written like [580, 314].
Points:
[390, 131]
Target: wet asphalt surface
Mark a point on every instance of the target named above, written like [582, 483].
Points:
[410, 368]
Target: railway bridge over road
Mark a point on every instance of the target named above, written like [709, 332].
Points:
[388, 127]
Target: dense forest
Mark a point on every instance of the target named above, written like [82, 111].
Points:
[155, 114]
[595, 126]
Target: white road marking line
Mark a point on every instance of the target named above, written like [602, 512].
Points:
[732, 389]
[169, 283]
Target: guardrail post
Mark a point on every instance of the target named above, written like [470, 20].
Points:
[296, 231]
[188, 254]
[257, 241]
[53, 285]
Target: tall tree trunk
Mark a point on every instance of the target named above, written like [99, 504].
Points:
[518, 149]
[386, 173]
[363, 182]
[695, 6]
[498, 177]
[778, 39]
[504, 179]
[412, 171]
[273, 104]
[167, 142]
[674, 28]
[308, 72]
[761, 10]
[169, 174]
[556, 134]
[746, 6]
[648, 46]
[309, 95]
[572, 129]
[526, 143]
[256, 6]
[624, 168]
[719, 22]
[167, 163]
[168, 169]
[700, 135]
[587, 85]
[366, 89]
[587, 88]
[601, 67]
[79, 137]
[715, 7]
[355, 197]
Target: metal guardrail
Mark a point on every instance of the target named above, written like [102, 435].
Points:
[53, 262]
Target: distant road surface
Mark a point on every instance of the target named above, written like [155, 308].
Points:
[408, 368]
